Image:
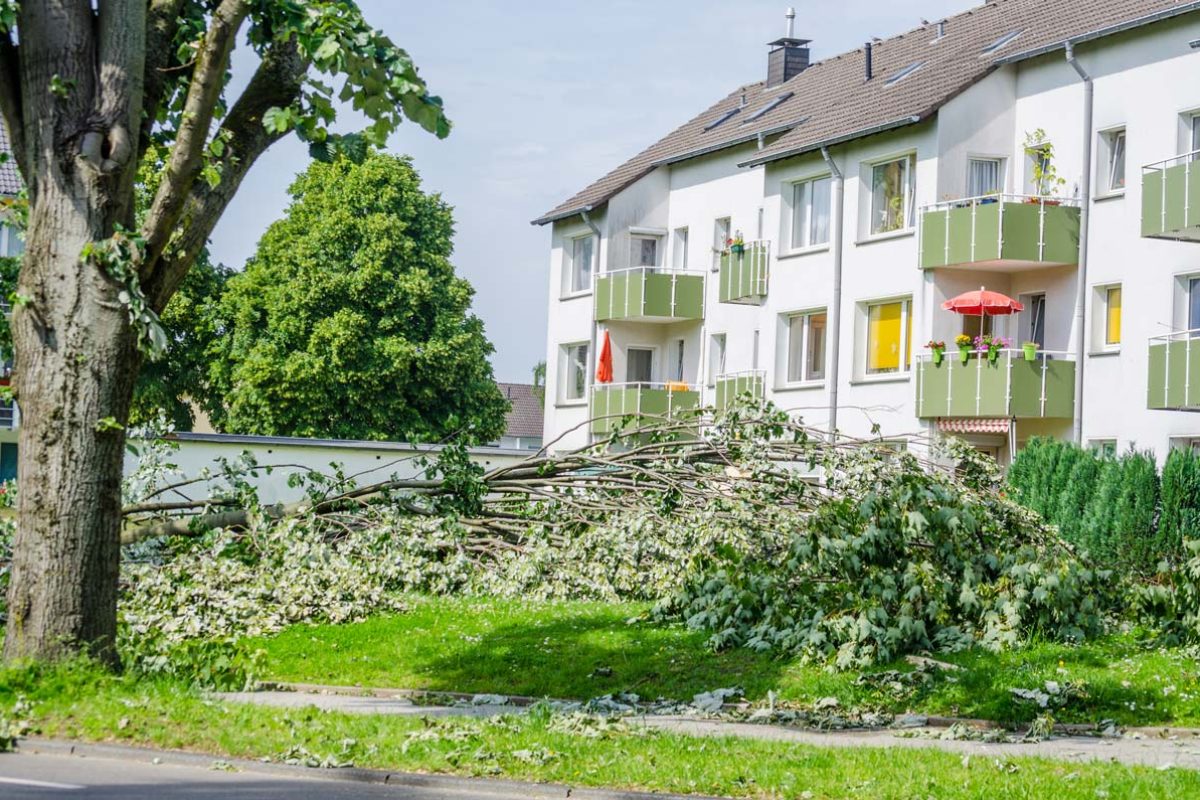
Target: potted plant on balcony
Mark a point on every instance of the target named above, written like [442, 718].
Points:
[938, 349]
[991, 345]
[964, 346]
[1031, 349]
[1046, 181]
[737, 245]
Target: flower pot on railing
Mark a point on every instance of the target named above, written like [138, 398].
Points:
[964, 352]
[938, 349]
[1030, 349]
[737, 249]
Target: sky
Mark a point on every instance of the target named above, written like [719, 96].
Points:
[546, 96]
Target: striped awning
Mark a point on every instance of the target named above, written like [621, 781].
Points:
[974, 425]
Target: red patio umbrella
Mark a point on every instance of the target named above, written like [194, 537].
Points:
[983, 303]
[604, 371]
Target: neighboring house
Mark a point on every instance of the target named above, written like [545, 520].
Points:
[848, 179]
[10, 245]
[523, 424]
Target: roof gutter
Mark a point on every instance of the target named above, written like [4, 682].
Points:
[836, 140]
[1157, 16]
[564, 214]
[1085, 189]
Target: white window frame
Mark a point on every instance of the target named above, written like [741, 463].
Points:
[1000, 163]
[806, 379]
[679, 247]
[652, 349]
[716, 367]
[718, 243]
[566, 364]
[908, 198]
[792, 188]
[8, 235]
[1103, 446]
[1185, 442]
[1110, 140]
[862, 349]
[1100, 317]
[569, 289]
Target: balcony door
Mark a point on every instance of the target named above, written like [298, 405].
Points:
[1035, 331]
[639, 365]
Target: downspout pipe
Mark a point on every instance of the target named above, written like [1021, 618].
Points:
[837, 201]
[592, 354]
[1081, 285]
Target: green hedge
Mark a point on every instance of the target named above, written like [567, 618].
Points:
[1117, 509]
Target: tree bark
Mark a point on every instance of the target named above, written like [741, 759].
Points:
[76, 353]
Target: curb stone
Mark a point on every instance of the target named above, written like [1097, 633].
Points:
[475, 787]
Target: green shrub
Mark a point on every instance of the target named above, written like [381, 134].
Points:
[1180, 501]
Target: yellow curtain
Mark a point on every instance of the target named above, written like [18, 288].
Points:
[1112, 328]
[883, 337]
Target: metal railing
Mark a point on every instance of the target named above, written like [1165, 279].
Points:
[674, 272]
[999, 199]
[1185, 159]
[756, 255]
[1187, 337]
[978, 360]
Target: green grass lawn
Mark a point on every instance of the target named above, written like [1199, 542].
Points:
[581, 650]
[80, 703]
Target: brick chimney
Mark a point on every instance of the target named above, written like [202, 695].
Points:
[788, 56]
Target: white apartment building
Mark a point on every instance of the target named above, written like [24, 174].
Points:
[872, 186]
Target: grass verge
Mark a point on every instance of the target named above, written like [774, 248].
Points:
[581, 650]
[81, 703]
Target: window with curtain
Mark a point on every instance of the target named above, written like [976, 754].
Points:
[810, 212]
[889, 337]
[575, 372]
[983, 176]
[1112, 315]
[639, 365]
[582, 253]
[1114, 150]
[891, 195]
[806, 347]
[643, 251]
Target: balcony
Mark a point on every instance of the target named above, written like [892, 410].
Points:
[650, 294]
[1003, 233]
[1168, 188]
[612, 402]
[733, 385]
[1173, 372]
[1008, 387]
[743, 276]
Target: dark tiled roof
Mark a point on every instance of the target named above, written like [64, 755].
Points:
[10, 179]
[831, 101]
[525, 418]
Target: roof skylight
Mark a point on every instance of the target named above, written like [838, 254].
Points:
[768, 107]
[1003, 40]
[722, 118]
[904, 73]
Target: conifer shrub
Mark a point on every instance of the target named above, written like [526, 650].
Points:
[1180, 501]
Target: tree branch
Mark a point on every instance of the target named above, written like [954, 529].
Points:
[276, 83]
[11, 107]
[162, 23]
[187, 156]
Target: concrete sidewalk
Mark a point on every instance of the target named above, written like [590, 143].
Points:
[1163, 748]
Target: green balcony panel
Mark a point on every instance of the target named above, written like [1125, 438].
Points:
[650, 296]
[734, 385]
[743, 276]
[1012, 234]
[1171, 200]
[1173, 372]
[1008, 387]
[611, 404]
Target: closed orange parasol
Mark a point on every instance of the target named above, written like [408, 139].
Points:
[983, 303]
[604, 372]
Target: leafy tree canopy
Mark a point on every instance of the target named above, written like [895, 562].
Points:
[349, 321]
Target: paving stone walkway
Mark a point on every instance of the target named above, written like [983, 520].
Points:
[1162, 748]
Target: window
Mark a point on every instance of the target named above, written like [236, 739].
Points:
[680, 248]
[889, 337]
[721, 118]
[984, 176]
[639, 365]
[1194, 134]
[1038, 155]
[716, 357]
[722, 231]
[1113, 145]
[1105, 448]
[677, 350]
[904, 73]
[977, 326]
[1003, 40]
[891, 195]
[575, 371]
[810, 212]
[1037, 319]
[582, 255]
[1112, 316]
[758, 227]
[1186, 443]
[754, 352]
[11, 243]
[643, 251]
[1193, 306]
[768, 107]
[806, 347]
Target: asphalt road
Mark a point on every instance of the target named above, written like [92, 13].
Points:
[36, 776]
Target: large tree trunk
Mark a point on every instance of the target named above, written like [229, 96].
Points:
[75, 352]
